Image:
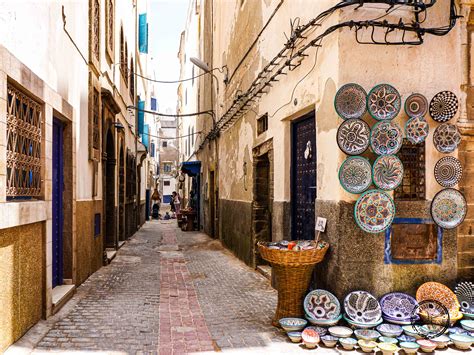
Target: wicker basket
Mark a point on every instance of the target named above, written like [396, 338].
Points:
[293, 271]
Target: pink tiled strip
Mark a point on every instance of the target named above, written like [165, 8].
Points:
[183, 329]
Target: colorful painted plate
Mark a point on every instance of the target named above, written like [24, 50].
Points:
[417, 129]
[398, 305]
[448, 171]
[384, 102]
[353, 136]
[355, 174]
[465, 295]
[416, 105]
[448, 208]
[444, 106]
[436, 291]
[386, 138]
[374, 211]
[321, 304]
[387, 172]
[362, 307]
[446, 138]
[350, 101]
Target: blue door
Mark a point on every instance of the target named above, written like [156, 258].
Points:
[58, 184]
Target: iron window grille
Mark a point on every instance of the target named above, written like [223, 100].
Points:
[413, 186]
[94, 32]
[110, 28]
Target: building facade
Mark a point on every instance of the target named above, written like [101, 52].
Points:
[272, 154]
[72, 186]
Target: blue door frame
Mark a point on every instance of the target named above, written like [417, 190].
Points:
[58, 217]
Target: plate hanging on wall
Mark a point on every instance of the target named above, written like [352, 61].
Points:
[353, 136]
[387, 172]
[350, 101]
[444, 106]
[448, 208]
[384, 102]
[446, 138]
[448, 171]
[355, 174]
[416, 105]
[386, 138]
[374, 211]
[417, 129]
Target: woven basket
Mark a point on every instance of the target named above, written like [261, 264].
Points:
[293, 271]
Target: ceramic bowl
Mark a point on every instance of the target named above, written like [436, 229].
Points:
[388, 349]
[324, 323]
[356, 325]
[468, 315]
[388, 340]
[367, 346]
[462, 341]
[293, 324]
[408, 330]
[329, 341]
[426, 345]
[367, 334]
[468, 325]
[320, 330]
[310, 338]
[441, 341]
[406, 338]
[390, 330]
[457, 330]
[409, 347]
[433, 328]
[396, 321]
[340, 332]
[295, 337]
[348, 343]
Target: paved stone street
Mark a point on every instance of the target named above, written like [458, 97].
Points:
[167, 292]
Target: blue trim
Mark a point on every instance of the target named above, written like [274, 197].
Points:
[166, 198]
[57, 203]
[388, 247]
[141, 117]
[142, 33]
[192, 168]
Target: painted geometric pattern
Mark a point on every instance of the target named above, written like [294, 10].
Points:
[24, 136]
[96, 120]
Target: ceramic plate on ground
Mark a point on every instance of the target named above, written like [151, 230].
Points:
[444, 106]
[374, 211]
[386, 138]
[353, 136]
[416, 105]
[362, 307]
[350, 101]
[387, 172]
[438, 292]
[384, 102]
[355, 174]
[321, 304]
[465, 295]
[448, 208]
[446, 138]
[398, 305]
[417, 129]
[448, 171]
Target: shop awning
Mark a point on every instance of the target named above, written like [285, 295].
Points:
[192, 168]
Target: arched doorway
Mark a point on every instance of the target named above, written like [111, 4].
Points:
[121, 196]
[109, 193]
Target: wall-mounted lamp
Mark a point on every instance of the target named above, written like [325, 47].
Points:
[203, 66]
[118, 125]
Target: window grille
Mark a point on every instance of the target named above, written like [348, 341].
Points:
[262, 124]
[131, 175]
[123, 56]
[95, 35]
[95, 120]
[24, 139]
[132, 81]
[110, 27]
[413, 184]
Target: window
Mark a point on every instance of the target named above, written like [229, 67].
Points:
[123, 57]
[152, 149]
[131, 172]
[132, 81]
[167, 167]
[165, 144]
[109, 28]
[142, 33]
[412, 187]
[24, 139]
[94, 34]
[262, 124]
[96, 224]
[166, 183]
[95, 119]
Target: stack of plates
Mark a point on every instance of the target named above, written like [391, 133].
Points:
[398, 308]
[362, 310]
[322, 308]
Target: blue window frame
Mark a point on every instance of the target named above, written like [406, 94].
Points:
[142, 34]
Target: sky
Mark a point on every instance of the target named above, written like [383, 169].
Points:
[166, 22]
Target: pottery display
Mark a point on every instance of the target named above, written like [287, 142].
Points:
[310, 338]
[320, 330]
[362, 307]
[350, 101]
[293, 324]
[355, 174]
[340, 332]
[468, 325]
[384, 102]
[321, 304]
[442, 341]
[417, 129]
[386, 138]
[398, 305]
[353, 136]
[367, 346]
[416, 105]
[426, 345]
[410, 347]
[358, 325]
[467, 315]
[444, 106]
[295, 337]
[366, 334]
[465, 294]
[406, 338]
[374, 212]
[410, 331]
[397, 321]
[448, 171]
[388, 340]
[446, 138]
[324, 323]
[387, 172]
[462, 341]
[390, 330]
[448, 208]
[388, 348]
[329, 340]
[348, 343]
[457, 330]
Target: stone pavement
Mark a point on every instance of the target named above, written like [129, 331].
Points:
[168, 292]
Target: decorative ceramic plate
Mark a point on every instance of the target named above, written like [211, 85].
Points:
[398, 305]
[386, 138]
[465, 295]
[355, 175]
[448, 208]
[444, 106]
[374, 211]
[387, 172]
[384, 102]
[353, 136]
[438, 292]
[350, 101]
[416, 105]
[446, 138]
[448, 171]
[362, 307]
[321, 304]
[417, 129]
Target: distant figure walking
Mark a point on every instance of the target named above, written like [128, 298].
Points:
[176, 202]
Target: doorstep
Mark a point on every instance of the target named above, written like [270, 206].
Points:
[60, 295]
[111, 253]
[121, 243]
